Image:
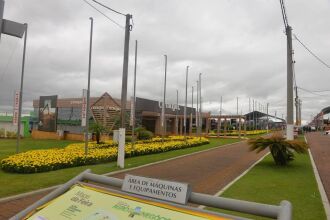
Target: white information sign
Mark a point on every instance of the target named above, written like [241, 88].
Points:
[16, 108]
[84, 108]
[156, 188]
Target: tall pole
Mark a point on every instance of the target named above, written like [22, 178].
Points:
[289, 125]
[176, 113]
[88, 85]
[134, 95]
[21, 92]
[267, 118]
[185, 106]
[125, 70]
[2, 6]
[220, 112]
[200, 105]
[191, 113]
[237, 114]
[164, 95]
[219, 119]
[253, 113]
[300, 112]
[297, 105]
[197, 109]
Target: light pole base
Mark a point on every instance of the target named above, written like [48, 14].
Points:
[121, 148]
[289, 132]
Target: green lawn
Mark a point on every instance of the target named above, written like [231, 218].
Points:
[13, 183]
[270, 184]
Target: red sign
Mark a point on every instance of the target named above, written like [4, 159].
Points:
[16, 108]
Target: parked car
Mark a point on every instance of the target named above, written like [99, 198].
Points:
[327, 132]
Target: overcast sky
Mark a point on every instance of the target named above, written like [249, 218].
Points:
[239, 46]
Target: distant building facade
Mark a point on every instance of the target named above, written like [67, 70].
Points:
[106, 111]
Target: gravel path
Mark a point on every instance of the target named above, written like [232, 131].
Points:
[207, 172]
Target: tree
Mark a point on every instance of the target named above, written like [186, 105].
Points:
[97, 129]
[282, 150]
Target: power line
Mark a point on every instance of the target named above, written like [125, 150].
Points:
[311, 92]
[109, 8]
[313, 54]
[285, 18]
[104, 14]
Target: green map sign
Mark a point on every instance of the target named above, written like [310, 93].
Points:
[86, 203]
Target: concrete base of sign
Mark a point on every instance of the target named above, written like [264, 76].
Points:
[289, 132]
[121, 148]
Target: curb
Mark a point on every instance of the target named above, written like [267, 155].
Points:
[236, 179]
[324, 197]
[31, 193]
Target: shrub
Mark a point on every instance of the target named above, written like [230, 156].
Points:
[143, 134]
[281, 149]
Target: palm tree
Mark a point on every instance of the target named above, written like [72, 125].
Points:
[98, 129]
[282, 150]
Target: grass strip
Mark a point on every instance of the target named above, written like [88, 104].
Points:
[13, 183]
[270, 184]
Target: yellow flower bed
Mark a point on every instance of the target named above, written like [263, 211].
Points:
[235, 132]
[74, 155]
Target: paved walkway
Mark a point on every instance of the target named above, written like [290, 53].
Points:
[207, 172]
[320, 147]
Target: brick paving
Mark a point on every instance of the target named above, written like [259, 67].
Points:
[207, 172]
[320, 147]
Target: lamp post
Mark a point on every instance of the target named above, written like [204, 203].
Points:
[200, 105]
[185, 106]
[197, 109]
[21, 92]
[176, 113]
[88, 86]
[163, 122]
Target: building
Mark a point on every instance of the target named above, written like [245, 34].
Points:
[63, 116]
[8, 130]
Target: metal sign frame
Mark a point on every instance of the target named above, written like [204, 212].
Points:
[282, 212]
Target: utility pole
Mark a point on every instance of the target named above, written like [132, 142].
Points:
[297, 105]
[185, 106]
[164, 96]
[289, 126]
[125, 70]
[88, 85]
[134, 96]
